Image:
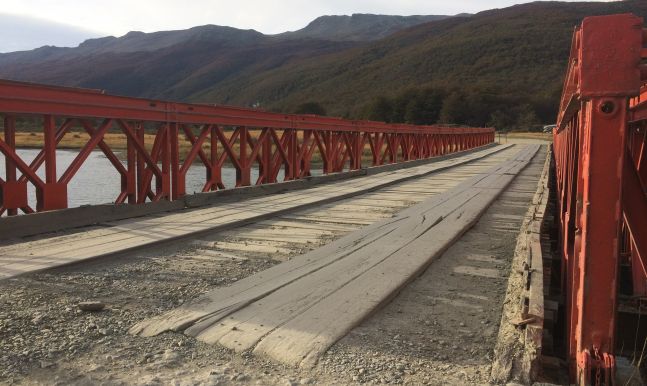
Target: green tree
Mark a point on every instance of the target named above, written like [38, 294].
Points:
[401, 103]
[453, 110]
[380, 110]
[310, 108]
[527, 118]
[417, 106]
[415, 111]
[500, 120]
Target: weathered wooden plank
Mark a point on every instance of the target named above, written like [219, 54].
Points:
[283, 238]
[252, 230]
[254, 246]
[365, 215]
[304, 225]
[328, 219]
[242, 330]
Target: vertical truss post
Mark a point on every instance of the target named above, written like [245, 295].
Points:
[356, 153]
[13, 192]
[306, 152]
[141, 163]
[50, 149]
[214, 172]
[293, 168]
[244, 173]
[378, 145]
[328, 161]
[265, 167]
[178, 180]
[53, 195]
[598, 222]
[164, 186]
[129, 182]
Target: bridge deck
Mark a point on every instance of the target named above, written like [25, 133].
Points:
[295, 311]
[141, 285]
[121, 236]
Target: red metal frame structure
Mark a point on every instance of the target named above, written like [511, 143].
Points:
[216, 135]
[601, 174]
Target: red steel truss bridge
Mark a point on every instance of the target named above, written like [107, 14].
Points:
[156, 172]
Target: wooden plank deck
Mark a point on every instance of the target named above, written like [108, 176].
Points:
[295, 311]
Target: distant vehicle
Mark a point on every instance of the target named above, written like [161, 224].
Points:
[549, 128]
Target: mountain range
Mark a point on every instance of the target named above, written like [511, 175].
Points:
[180, 64]
[507, 61]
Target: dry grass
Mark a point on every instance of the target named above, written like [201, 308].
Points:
[529, 135]
[76, 140]
[116, 141]
[73, 140]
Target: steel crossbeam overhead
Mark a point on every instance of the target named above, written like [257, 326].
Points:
[601, 175]
[217, 135]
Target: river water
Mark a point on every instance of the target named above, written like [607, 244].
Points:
[98, 182]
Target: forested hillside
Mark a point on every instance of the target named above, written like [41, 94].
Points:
[501, 67]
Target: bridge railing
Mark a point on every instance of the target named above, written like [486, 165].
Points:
[155, 167]
[601, 185]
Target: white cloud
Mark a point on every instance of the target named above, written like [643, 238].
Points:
[24, 33]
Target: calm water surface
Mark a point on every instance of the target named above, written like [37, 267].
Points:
[97, 182]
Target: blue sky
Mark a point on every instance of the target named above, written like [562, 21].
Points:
[69, 22]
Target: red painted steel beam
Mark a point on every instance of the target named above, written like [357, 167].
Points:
[596, 190]
[76, 164]
[10, 199]
[598, 221]
[28, 98]
[10, 153]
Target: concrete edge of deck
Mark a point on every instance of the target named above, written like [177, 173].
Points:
[519, 343]
[59, 220]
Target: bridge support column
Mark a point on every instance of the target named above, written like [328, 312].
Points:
[244, 172]
[178, 183]
[53, 195]
[129, 182]
[597, 218]
[293, 168]
[13, 193]
[590, 148]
